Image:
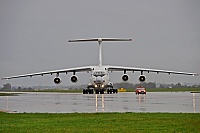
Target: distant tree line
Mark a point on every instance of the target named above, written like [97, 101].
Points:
[151, 85]
[8, 87]
[128, 85]
[178, 85]
[23, 89]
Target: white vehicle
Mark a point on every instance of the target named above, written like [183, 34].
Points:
[99, 80]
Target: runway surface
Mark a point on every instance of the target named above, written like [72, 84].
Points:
[122, 102]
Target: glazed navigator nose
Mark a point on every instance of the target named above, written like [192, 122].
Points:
[99, 79]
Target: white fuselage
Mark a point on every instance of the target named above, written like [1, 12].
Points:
[99, 77]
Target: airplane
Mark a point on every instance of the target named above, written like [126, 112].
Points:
[99, 80]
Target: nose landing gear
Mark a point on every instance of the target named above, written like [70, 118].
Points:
[91, 91]
[99, 91]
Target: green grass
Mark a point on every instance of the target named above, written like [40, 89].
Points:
[9, 94]
[100, 122]
[173, 89]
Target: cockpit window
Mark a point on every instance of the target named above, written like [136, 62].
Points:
[99, 73]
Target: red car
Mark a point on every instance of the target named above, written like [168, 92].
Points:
[140, 90]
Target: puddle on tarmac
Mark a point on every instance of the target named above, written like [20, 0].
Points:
[121, 102]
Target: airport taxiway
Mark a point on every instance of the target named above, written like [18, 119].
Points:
[42, 102]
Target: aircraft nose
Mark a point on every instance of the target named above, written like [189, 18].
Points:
[99, 79]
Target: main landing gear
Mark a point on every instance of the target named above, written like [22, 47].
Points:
[88, 91]
[110, 91]
[101, 91]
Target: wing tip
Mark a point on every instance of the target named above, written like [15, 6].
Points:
[5, 78]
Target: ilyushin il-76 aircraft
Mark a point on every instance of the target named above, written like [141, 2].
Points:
[99, 80]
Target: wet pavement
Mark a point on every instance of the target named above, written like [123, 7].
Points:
[122, 102]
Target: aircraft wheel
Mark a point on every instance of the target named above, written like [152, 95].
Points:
[116, 91]
[96, 91]
[83, 91]
[108, 91]
[102, 91]
[86, 91]
[111, 91]
[91, 91]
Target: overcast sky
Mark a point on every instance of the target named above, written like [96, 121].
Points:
[34, 37]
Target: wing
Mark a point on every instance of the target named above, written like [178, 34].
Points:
[77, 69]
[120, 68]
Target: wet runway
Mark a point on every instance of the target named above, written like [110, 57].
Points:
[121, 102]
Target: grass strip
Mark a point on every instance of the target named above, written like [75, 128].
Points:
[173, 89]
[100, 122]
[9, 94]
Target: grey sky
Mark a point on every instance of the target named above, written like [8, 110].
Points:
[34, 37]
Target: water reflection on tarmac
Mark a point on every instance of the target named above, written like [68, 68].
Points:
[121, 102]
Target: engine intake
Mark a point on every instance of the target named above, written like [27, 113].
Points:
[142, 78]
[125, 77]
[57, 80]
[74, 79]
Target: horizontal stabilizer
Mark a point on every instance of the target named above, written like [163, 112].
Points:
[100, 39]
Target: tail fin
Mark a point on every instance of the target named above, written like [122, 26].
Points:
[100, 40]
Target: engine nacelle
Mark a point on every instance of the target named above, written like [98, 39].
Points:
[57, 80]
[142, 78]
[125, 77]
[74, 79]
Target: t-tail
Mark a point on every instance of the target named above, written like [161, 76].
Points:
[100, 40]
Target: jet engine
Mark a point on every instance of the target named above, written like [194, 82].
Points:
[142, 78]
[125, 77]
[57, 80]
[74, 79]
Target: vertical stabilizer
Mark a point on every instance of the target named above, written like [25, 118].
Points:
[100, 53]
